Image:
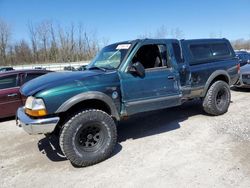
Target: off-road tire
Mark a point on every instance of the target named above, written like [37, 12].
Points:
[80, 145]
[217, 99]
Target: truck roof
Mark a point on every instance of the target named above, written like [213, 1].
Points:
[172, 39]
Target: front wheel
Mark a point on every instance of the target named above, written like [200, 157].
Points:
[217, 99]
[88, 137]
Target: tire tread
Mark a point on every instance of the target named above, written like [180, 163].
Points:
[66, 146]
[208, 102]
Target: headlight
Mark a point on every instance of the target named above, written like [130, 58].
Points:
[35, 107]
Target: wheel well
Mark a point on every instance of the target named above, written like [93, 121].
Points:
[217, 78]
[220, 77]
[90, 104]
[87, 104]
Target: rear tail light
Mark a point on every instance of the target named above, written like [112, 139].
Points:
[238, 68]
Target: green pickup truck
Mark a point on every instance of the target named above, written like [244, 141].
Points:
[124, 79]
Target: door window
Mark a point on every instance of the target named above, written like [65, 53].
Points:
[152, 56]
[31, 76]
[8, 81]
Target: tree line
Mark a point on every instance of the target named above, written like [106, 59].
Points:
[241, 44]
[49, 42]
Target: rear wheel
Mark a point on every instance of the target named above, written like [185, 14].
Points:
[88, 138]
[217, 99]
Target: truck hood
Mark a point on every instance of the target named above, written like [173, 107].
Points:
[55, 79]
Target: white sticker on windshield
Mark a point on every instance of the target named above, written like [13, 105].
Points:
[123, 46]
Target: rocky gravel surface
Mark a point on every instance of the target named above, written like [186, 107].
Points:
[177, 147]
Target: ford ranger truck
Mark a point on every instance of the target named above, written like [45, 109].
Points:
[124, 79]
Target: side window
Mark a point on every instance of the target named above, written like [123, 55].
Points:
[209, 51]
[31, 76]
[241, 56]
[220, 49]
[8, 82]
[200, 51]
[245, 57]
[9, 69]
[248, 57]
[151, 56]
[177, 52]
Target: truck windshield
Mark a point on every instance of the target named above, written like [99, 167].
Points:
[110, 57]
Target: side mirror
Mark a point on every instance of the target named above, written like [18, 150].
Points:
[248, 61]
[137, 69]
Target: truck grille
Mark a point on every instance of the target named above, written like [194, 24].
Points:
[246, 76]
[246, 79]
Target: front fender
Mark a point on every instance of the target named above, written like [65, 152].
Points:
[88, 96]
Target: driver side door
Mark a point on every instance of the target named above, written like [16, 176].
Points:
[10, 97]
[157, 89]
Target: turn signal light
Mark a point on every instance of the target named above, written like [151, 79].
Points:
[36, 113]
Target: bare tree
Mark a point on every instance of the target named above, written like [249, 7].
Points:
[241, 44]
[34, 41]
[53, 52]
[145, 35]
[63, 44]
[104, 42]
[93, 43]
[23, 52]
[43, 30]
[80, 43]
[72, 42]
[49, 44]
[215, 35]
[161, 32]
[11, 56]
[5, 34]
[177, 33]
[87, 42]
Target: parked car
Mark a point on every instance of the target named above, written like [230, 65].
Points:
[126, 78]
[4, 69]
[244, 80]
[10, 82]
[40, 68]
[82, 68]
[69, 68]
[243, 56]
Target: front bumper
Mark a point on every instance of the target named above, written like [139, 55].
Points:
[36, 126]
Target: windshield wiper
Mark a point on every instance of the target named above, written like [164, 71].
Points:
[100, 68]
[108, 67]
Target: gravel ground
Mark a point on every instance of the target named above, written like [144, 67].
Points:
[177, 147]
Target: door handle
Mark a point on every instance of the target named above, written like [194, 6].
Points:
[12, 95]
[171, 77]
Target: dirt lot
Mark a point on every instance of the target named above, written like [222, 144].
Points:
[178, 147]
